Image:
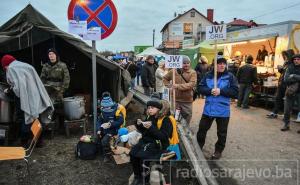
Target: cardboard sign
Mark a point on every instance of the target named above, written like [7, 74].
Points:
[93, 34]
[216, 32]
[173, 61]
[77, 27]
[97, 14]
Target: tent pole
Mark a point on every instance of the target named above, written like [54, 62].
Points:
[32, 52]
[94, 85]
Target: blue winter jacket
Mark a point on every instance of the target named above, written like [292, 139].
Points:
[218, 106]
[116, 121]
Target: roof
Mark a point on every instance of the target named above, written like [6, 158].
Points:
[180, 15]
[240, 22]
[151, 51]
[28, 19]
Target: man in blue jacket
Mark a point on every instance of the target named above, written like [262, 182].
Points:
[217, 104]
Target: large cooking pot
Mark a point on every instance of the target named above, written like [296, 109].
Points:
[6, 112]
[74, 107]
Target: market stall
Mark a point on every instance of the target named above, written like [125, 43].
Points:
[265, 44]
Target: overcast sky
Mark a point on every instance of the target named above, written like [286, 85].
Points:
[137, 18]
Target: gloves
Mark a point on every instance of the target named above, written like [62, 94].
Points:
[106, 125]
[6, 91]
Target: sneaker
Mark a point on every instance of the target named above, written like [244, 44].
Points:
[217, 155]
[245, 107]
[272, 115]
[298, 118]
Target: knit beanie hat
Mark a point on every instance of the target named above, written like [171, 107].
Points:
[6, 60]
[221, 60]
[155, 101]
[186, 59]
[107, 102]
[52, 50]
[296, 56]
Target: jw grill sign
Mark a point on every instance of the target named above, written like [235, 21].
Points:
[216, 32]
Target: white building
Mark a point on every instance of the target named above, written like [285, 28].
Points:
[189, 26]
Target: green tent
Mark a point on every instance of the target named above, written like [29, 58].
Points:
[192, 53]
[140, 49]
[208, 50]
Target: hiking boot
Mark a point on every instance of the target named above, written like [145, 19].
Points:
[217, 155]
[106, 159]
[298, 131]
[137, 181]
[272, 115]
[286, 127]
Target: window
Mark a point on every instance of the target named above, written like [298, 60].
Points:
[192, 14]
[188, 28]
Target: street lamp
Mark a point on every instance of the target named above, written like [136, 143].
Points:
[173, 43]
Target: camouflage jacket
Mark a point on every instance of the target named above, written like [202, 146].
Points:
[56, 76]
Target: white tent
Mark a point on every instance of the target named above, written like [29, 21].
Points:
[150, 51]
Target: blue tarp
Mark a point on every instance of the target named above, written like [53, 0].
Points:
[118, 57]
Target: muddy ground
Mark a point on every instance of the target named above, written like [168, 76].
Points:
[55, 164]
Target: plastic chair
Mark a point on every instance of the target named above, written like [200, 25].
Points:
[18, 153]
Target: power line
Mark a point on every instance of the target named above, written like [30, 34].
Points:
[276, 11]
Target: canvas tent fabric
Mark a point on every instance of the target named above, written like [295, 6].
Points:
[192, 53]
[208, 50]
[28, 36]
[151, 51]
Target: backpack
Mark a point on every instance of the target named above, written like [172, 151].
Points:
[86, 151]
[175, 138]
[121, 110]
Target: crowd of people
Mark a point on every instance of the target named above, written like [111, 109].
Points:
[158, 130]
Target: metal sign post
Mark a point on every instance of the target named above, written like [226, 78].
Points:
[94, 85]
[98, 20]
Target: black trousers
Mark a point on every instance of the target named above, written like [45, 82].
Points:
[244, 92]
[141, 168]
[280, 93]
[204, 126]
[288, 106]
[105, 144]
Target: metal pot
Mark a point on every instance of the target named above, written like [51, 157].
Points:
[74, 107]
[6, 112]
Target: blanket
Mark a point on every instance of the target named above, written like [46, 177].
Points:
[27, 85]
